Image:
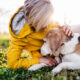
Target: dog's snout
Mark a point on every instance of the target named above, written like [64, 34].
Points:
[79, 38]
[48, 55]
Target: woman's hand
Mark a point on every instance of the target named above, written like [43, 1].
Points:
[67, 30]
[48, 61]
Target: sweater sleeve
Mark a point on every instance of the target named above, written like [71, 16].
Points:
[13, 56]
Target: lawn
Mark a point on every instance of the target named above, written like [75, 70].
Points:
[23, 74]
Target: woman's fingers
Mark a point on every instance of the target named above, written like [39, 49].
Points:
[52, 62]
[70, 33]
[67, 30]
[48, 61]
[64, 28]
[55, 61]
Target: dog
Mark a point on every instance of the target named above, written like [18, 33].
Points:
[57, 43]
[45, 49]
[69, 47]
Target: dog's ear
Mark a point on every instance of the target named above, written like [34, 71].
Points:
[48, 34]
[79, 39]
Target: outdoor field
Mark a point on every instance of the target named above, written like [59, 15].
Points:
[22, 74]
[37, 14]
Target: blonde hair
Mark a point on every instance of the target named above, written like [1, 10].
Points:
[38, 13]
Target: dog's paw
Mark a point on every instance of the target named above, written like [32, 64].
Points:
[32, 69]
[36, 67]
[55, 71]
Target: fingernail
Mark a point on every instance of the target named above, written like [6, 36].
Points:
[69, 34]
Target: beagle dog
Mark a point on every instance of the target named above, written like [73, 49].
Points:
[57, 43]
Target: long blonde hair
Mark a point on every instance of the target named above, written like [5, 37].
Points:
[38, 13]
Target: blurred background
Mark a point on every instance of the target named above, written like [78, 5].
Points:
[7, 9]
[65, 11]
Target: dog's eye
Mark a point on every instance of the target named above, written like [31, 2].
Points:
[62, 44]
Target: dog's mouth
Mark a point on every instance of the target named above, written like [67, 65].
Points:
[50, 55]
[56, 50]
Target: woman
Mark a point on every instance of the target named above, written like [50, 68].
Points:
[28, 26]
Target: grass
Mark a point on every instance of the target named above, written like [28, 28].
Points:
[24, 74]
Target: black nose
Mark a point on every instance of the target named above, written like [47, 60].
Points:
[79, 38]
[48, 55]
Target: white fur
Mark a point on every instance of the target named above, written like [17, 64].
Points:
[69, 46]
[70, 60]
[45, 49]
[37, 66]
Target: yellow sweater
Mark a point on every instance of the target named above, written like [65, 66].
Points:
[26, 39]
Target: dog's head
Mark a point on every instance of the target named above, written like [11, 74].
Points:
[52, 41]
[56, 39]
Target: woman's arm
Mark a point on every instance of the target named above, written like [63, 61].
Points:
[14, 53]
[13, 57]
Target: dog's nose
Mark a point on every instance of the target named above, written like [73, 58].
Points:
[48, 55]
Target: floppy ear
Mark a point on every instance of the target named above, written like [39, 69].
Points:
[47, 35]
[79, 38]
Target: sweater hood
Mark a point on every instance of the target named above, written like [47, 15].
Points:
[18, 27]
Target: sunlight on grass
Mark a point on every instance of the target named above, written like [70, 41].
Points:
[4, 36]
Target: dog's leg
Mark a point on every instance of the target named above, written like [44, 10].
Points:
[37, 66]
[65, 65]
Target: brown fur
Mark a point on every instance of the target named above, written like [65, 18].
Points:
[77, 49]
[56, 37]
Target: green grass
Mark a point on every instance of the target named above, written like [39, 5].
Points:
[24, 74]
[4, 43]
[4, 40]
